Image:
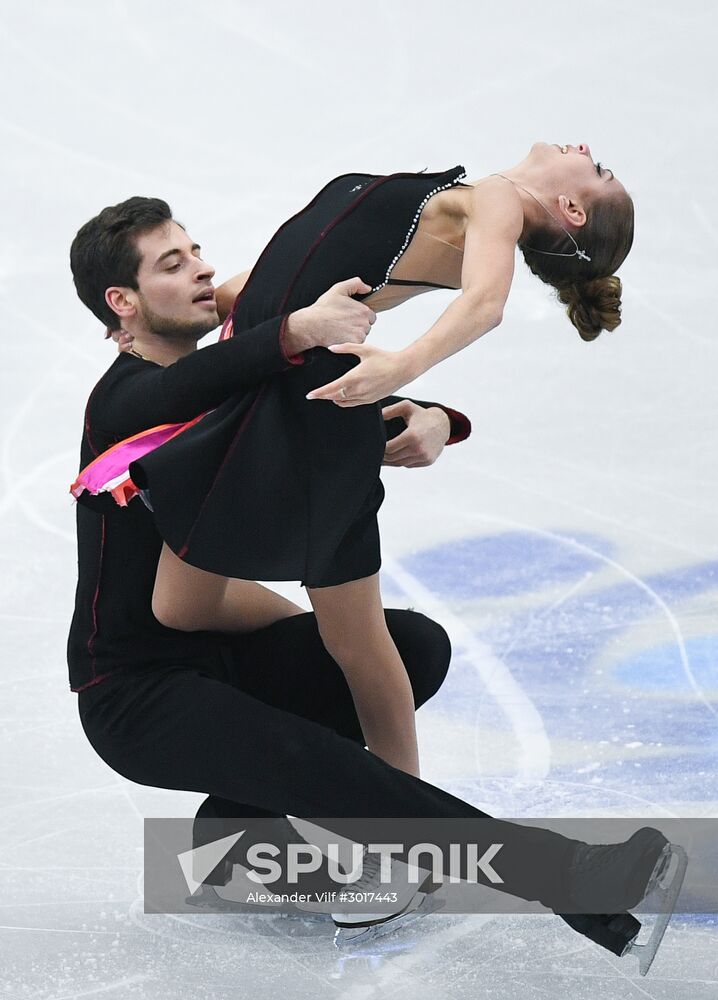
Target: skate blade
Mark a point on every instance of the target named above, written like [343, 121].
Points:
[667, 881]
[346, 938]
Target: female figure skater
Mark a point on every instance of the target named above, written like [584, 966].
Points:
[307, 509]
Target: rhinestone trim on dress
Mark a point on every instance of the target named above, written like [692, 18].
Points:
[414, 224]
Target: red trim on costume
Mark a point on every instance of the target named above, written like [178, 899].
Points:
[285, 224]
[141, 434]
[327, 229]
[93, 634]
[460, 424]
[88, 432]
[227, 330]
[96, 680]
[126, 490]
[293, 359]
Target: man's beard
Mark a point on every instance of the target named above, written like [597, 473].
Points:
[173, 328]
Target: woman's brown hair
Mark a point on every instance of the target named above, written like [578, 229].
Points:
[589, 289]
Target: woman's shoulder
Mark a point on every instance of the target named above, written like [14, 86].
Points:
[495, 199]
[494, 184]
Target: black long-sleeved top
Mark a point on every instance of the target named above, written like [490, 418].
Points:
[118, 548]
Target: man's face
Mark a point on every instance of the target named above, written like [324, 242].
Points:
[175, 298]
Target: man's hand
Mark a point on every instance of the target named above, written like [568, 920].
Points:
[427, 431]
[334, 318]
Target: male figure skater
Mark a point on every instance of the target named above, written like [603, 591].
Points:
[261, 720]
[133, 264]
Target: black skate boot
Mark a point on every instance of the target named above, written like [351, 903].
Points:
[613, 931]
[231, 871]
[613, 878]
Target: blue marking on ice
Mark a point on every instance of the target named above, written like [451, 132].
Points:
[703, 919]
[499, 565]
[685, 581]
[637, 709]
[659, 667]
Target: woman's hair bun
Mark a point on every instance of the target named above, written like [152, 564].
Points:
[593, 305]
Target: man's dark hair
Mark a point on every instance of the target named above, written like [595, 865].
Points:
[104, 252]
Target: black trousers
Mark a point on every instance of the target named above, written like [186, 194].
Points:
[269, 728]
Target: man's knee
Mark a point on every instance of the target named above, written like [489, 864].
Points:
[438, 656]
[425, 649]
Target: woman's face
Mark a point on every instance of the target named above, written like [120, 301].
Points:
[574, 168]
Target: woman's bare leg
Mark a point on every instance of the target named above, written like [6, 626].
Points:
[353, 629]
[190, 599]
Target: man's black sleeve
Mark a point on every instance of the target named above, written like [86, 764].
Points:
[143, 395]
[460, 424]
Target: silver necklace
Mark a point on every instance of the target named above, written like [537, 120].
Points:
[581, 254]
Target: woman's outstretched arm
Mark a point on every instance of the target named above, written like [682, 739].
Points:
[493, 230]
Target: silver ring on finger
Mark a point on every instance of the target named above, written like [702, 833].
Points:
[342, 394]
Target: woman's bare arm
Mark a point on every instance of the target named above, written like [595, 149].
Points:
[493, 230]
[227, 292]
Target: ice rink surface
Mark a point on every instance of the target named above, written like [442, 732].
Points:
[569, 546]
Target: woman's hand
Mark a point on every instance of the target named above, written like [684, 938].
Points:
[122, 338]
[378, 374]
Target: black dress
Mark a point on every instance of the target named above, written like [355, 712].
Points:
[275, 486]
